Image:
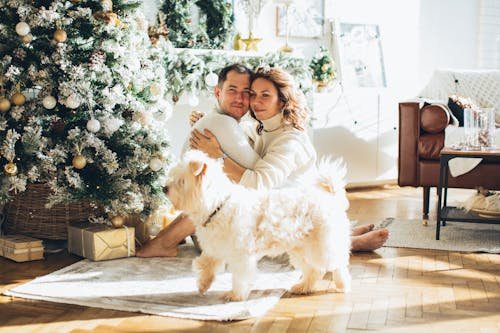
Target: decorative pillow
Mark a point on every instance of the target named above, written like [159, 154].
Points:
[457, 104]
[434, 118]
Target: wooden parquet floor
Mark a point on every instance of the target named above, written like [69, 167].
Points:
[394, 290]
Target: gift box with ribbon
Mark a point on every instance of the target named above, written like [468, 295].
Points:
[21, 248]
[101, 242]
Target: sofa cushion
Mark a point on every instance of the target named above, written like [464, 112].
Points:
[457, 105]
[434, 118]
[457, 110]
[429, 146]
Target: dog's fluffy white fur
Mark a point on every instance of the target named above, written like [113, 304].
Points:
[238, 226]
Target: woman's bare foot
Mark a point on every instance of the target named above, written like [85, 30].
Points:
[166, 242]
[369, 241]
[362, 229]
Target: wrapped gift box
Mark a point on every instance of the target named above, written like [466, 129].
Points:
[21, 255]
[140, 229]
[100, 242]
[21, 248]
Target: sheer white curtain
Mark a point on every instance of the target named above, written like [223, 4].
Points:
[489, 34]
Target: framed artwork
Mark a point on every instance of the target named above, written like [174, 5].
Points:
[360, 54]
[305, 19]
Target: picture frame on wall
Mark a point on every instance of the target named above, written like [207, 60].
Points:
[305, 18]
[359, 54]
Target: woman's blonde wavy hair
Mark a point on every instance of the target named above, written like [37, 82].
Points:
[295, 111]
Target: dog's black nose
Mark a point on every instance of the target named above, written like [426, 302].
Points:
[165, 189]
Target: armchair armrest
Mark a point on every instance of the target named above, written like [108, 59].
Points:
[409, 131]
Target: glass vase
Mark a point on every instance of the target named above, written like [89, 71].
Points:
[479, 124]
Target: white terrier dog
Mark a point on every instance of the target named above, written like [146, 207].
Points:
[238, 226]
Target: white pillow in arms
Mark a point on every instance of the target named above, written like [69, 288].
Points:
[233, 141]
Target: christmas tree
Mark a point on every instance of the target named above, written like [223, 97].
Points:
[82, 104]
[322, 67]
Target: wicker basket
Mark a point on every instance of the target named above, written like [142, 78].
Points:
[26, 214]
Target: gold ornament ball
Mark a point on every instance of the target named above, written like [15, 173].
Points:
[117, 221]
[26, 39]
[18, 99]
[79, 161]
[4, 104]
[10, 168]
[60, 36]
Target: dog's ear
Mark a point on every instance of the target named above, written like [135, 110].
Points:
[198, 168]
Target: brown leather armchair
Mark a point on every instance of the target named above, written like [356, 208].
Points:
[421, 138]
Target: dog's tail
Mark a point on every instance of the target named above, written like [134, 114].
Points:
[331, 176]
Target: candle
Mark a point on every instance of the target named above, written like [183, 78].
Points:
[250, 18]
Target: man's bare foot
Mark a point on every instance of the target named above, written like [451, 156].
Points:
[369, 241]
[362, 229]
[155, 248]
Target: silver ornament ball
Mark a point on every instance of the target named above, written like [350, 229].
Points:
[49, 102]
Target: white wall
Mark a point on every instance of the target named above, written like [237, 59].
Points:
[448, 36]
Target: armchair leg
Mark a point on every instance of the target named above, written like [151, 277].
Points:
[425, 215]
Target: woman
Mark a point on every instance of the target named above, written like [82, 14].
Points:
[287, 154]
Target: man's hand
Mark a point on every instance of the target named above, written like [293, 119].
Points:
[194, 117]
[206, 142]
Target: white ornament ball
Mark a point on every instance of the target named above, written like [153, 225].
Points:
[155, 164]
[211, 79]
[144, 118]
[193, 100]
[49, 102]
[142, 24]
[22, 28]
[72, 101]
[93, 125]
[112, 124]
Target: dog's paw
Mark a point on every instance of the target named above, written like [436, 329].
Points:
[203, 285]
[300, 289]
[342, 286]
[342, 290]
[234, 296]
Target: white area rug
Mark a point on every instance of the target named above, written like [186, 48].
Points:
[160, 286]
[455, 236]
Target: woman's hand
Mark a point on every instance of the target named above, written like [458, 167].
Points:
[194, 116]
[206, 142]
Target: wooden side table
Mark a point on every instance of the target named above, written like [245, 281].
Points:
[448, 213]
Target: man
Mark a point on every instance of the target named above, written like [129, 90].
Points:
[233, 96]
[232, 93]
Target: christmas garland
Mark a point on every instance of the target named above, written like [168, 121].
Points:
[189, 72]
[211, 33]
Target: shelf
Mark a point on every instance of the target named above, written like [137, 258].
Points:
[454, 214]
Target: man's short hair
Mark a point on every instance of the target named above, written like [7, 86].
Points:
[239, 68]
